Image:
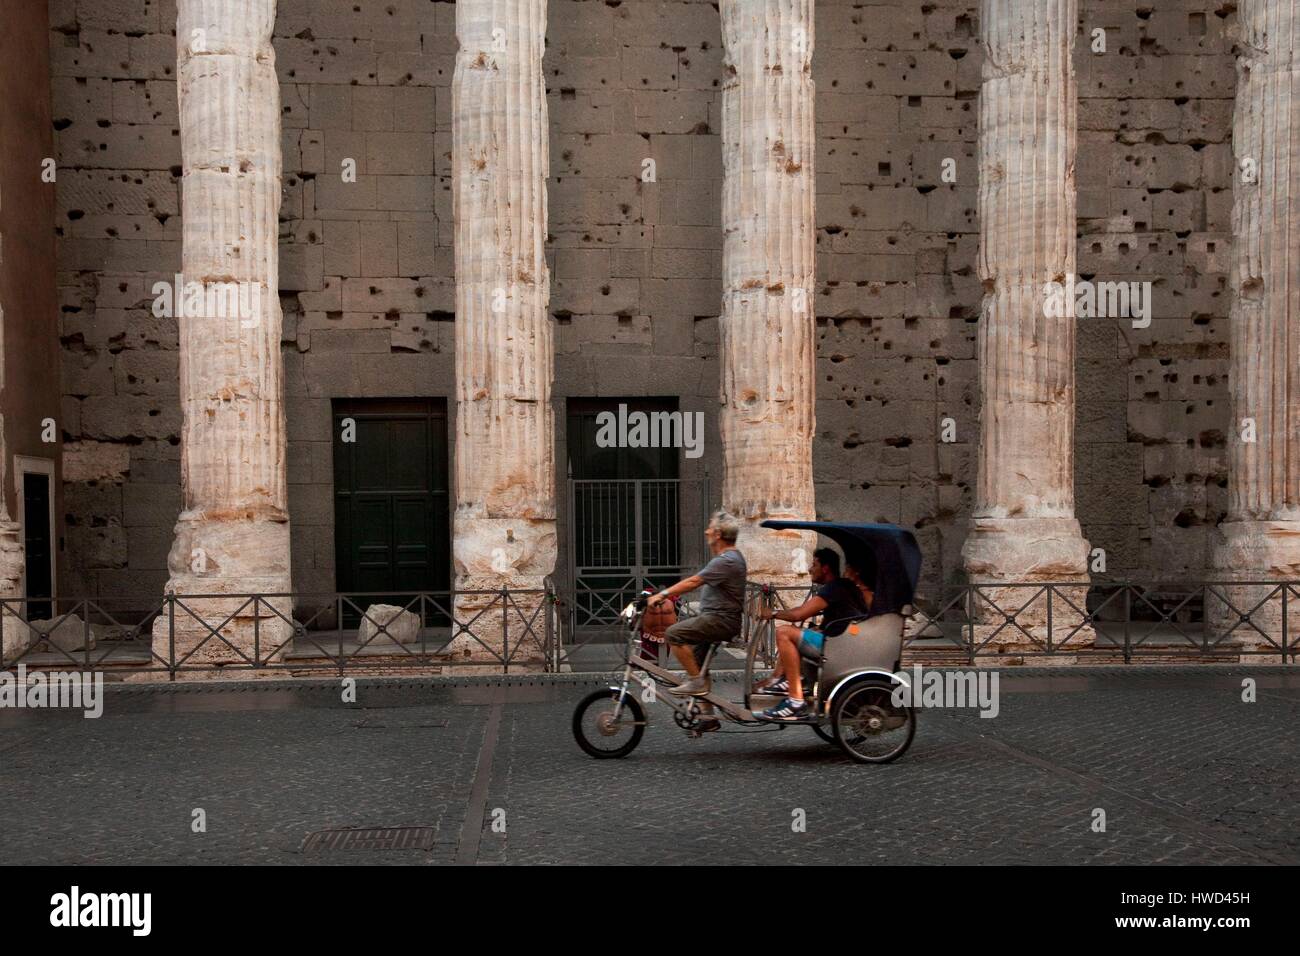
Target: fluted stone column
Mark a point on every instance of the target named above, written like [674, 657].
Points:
[505, 429]
[1023, 526]
[17, 635]
[11, 548]
[232, 536]
[1260, 538]
[768, 326]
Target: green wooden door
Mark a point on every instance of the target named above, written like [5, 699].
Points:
[391, 523]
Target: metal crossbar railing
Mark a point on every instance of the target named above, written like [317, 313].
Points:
[1110, 620]
[501, 630]
[299, 632]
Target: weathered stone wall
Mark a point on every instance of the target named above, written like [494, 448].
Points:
[367, 279]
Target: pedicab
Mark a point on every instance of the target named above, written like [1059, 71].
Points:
[850, 686]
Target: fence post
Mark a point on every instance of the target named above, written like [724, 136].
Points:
[1128, 614]
[338, 599]
[1286, 589]
[257, 633]
[1051, 591]
[423, 632]
[171, 636]
[85, 627]
[549, 630]
[970, 623]
[505, 631]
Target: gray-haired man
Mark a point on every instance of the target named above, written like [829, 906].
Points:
[722, 601]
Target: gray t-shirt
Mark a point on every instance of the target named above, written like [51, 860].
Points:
[724, 584]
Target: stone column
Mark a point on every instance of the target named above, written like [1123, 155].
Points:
[11, 548]
[17, 635]
[768, 326]
[233, 535]
[1023, 526]
[505, 426]
[1260, 538]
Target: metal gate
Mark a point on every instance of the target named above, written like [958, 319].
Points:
[627, 534]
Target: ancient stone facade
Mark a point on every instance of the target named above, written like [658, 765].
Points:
[366, 273]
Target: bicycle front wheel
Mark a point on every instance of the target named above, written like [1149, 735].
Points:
[603, 728]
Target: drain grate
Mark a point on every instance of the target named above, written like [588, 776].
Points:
[370, 838]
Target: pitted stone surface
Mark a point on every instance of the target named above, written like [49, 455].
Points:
[366, 267]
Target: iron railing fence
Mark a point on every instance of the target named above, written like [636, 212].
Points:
[497, 630]
[299, 632]
[1112, 620]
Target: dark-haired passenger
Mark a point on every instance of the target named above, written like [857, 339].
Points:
[839, 601]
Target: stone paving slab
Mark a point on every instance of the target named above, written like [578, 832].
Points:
[1185, 772]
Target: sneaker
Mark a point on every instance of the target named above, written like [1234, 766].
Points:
[786, 710]
[695, 687]
[779, 686]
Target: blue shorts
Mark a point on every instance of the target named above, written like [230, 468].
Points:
[812, 641]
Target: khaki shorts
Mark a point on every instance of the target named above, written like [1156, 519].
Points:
[702, 630]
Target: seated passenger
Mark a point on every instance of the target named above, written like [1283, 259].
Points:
[864, 589]
[839, 601]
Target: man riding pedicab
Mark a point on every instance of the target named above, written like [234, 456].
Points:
[721, 583]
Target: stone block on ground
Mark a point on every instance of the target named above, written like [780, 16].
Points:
[67, 633]
[400, 626]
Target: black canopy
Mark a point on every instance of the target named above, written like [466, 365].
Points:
[886, 556]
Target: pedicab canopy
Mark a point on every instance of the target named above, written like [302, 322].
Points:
[886, 556]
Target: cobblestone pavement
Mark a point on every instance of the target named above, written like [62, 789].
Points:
[1184, 770]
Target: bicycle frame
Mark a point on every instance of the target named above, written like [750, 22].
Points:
[734, 711]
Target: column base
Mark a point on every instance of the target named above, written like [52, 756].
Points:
[1000, 552]
[494, 553]
[212, 559]
[1255, 551]
[18, 636]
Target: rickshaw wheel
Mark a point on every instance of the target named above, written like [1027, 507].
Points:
[868, 725]
[598, 733]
